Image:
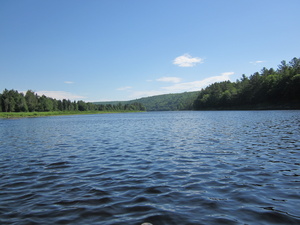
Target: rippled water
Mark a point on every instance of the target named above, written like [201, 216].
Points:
[229, 167]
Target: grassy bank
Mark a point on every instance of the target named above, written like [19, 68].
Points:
[54, 113]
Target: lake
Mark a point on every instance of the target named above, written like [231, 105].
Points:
[191, 167]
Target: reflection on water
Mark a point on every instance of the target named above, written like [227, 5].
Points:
[229, 167]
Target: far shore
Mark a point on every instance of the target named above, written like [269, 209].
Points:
[55, 113]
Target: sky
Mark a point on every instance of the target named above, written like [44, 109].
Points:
[116, 50]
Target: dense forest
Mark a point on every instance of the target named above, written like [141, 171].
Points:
[14, 101]
[268, 89]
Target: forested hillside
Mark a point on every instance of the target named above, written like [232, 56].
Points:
[13, 101]
[268, 89]
[167, 102]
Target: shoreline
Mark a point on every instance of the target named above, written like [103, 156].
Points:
[11, 115]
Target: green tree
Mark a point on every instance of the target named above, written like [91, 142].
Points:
[75, 106]
[31, 100]
[5, 101]
[9, 99]
[82, 106]
[45, 104]
[21, 105]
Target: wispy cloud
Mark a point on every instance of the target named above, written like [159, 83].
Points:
[124, 88]
[69, 82]
[257, 62]
[227, 74]
[182, 87]
[197, 85]
[169, 79]
[187, 60]
[60, 95]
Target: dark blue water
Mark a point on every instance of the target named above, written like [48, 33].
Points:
[229, 167]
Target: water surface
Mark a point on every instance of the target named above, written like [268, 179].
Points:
[223, 167]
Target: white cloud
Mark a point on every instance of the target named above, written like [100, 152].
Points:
[227, 74]
[124, 88]
[182, 87]
[257, 62]
[69, 82]
[60, 95]
[198, 85]
[169, 79]
[187, 60]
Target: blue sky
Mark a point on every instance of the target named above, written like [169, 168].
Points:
[98, 50]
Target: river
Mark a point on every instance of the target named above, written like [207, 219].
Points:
[191, 167]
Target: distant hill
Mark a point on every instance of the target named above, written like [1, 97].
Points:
[166, 102]
[267, 89]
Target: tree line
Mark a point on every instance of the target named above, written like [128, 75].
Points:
[165, 102]
[14, 101]
[169, 102]
[269, 87]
